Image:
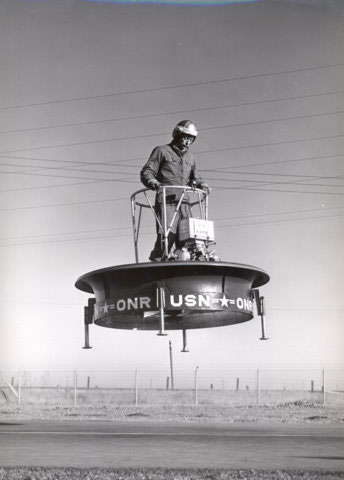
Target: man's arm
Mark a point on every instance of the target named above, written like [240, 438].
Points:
[197, 180]
[150, 171]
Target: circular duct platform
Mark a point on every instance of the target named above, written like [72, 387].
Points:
[194, 294]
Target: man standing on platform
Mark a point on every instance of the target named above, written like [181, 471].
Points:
[172, 164]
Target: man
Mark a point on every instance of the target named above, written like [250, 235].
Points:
[172, 164]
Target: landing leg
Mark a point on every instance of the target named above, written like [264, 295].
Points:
[185, 347]
[161, 302]
[88, 320]
[262, 318]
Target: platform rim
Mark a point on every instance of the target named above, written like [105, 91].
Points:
[170, 265]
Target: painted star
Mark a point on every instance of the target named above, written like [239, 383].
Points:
[106, 308]
[224, 301]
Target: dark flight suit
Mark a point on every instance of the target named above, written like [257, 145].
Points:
[170, 166]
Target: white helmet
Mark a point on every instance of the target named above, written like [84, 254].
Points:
[185, 126]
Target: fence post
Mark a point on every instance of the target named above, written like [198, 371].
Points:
[19, 386]
[171, 364]
[10, 385]
[196, 387]
[136, 387]
[75, 387]
[323, 386]
[258, 387]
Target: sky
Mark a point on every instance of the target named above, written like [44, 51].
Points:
[89, 88]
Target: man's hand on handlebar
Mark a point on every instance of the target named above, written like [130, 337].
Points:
[154, 184]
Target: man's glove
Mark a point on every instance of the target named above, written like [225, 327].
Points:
[153, 184]
[205, 187]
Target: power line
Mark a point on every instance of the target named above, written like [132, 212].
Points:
[117, 172]
[87, 202]
[258, 189]
[273, 214]
[64, 204]
[172, 87]
[148, 233]
[260, 183]
[218, 187]
[38, 187]
[221, 219]
[119, 164]
[71, 168]
[264, 183]
[306, 177]
[42, 235]
[68, 168]
[133, 137]
[278, 162]
[279, 221]
[163, 114]
[271, 144]
[127, 180]
[69, 177]
[264, 174]
[219, 169]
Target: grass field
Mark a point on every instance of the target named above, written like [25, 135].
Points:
[149, 396]
[160, 474]
[173, 405]
[287, 412]
[170, 406]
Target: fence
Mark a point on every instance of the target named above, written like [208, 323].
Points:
[181, 387]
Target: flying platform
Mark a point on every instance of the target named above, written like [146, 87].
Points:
[188, 289]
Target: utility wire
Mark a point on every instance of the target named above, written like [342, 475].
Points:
[81, 162]
[260, 183]
[271, 144]
[164, 114]
[172, 87]
[59, 185]
[133, 137]
[125, 164]
[265, 174]
[221, 219]
[88, 202]
[220, 169]
[127, 180]
[34, 168]
[273, 214]
[288, 220]
[258, 189]
[274, 162]
[264, 183]
[119, 172]
[46, 241]
[42, 235]
[64, 204]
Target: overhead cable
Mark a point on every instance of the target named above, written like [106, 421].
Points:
[172, 87]
[164, 114]
[133, 137]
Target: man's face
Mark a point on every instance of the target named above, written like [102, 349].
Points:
[184, 141]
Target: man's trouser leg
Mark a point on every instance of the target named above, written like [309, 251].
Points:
[185, 212]
[159, 248]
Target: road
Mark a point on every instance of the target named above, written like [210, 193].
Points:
[145, 444]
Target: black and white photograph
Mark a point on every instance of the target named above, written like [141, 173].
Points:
[171, 242]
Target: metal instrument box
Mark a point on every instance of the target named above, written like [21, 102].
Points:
[196, 229]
